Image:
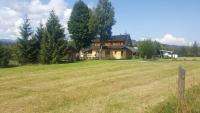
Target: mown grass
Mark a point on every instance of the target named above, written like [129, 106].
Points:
[192, 103]
[119, 86]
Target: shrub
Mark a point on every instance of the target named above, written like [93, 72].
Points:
[148, 49]
[4, 57]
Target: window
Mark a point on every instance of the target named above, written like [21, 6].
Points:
[90, 52]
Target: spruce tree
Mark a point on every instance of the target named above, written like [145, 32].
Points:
[23, 42]
[39, 35]
[53, 43]
[33, 50]
[37, 40]
[78, 25]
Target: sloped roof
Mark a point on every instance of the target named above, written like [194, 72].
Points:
[116, 38]
[132, 49]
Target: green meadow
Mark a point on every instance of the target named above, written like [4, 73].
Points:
[107, 86]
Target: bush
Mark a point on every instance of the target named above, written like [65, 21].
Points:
[148, 49]
[4, 57]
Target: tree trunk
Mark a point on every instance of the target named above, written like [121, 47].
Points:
[100, 52]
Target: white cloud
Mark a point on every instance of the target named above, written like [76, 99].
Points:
[172, 40]
[13, 11]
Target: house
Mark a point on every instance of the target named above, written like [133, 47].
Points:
[116, 47]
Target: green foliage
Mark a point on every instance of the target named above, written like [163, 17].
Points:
[102, 19]
[148, 48]
[27, 44]
[170, 106]
[33, 50]
[39, 35]
[23, 44]
[158, 46]
[184, 51]
[12, 48]
[4, 57]
[53, 43]
[193, 99]
[78, 25]
[71, 51]
[195, 49]
[36, 41]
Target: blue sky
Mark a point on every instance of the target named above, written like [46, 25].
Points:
[155, 18]
[176, 21]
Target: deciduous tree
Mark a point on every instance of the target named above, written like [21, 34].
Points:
[102, 20]
[78, 25]
[148, 48]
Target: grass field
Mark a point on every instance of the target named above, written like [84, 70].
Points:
[92, 86]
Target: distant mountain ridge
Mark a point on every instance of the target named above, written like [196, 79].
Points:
[7, 41]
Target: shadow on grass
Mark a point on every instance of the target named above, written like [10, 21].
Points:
[10, 66]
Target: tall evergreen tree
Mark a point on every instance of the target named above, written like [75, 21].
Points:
[37, 40]
[23, 42]
[53, 43]
[102, 20]
[195, 49]
[39, 34]
[33, 50]
[78, 25]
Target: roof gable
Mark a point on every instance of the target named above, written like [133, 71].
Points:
[117, 38]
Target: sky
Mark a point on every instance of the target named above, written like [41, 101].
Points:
[175, 22]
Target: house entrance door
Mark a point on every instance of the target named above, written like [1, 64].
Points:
[107, 53]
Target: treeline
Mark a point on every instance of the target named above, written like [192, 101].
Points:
[185, 51]
[49, 45]
[45, 46]
[149, 49]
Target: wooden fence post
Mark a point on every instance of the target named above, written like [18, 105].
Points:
[181, 91]
[181, 82]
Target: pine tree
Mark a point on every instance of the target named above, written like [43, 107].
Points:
[53, 43]
[23, 42]
[78, 25]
